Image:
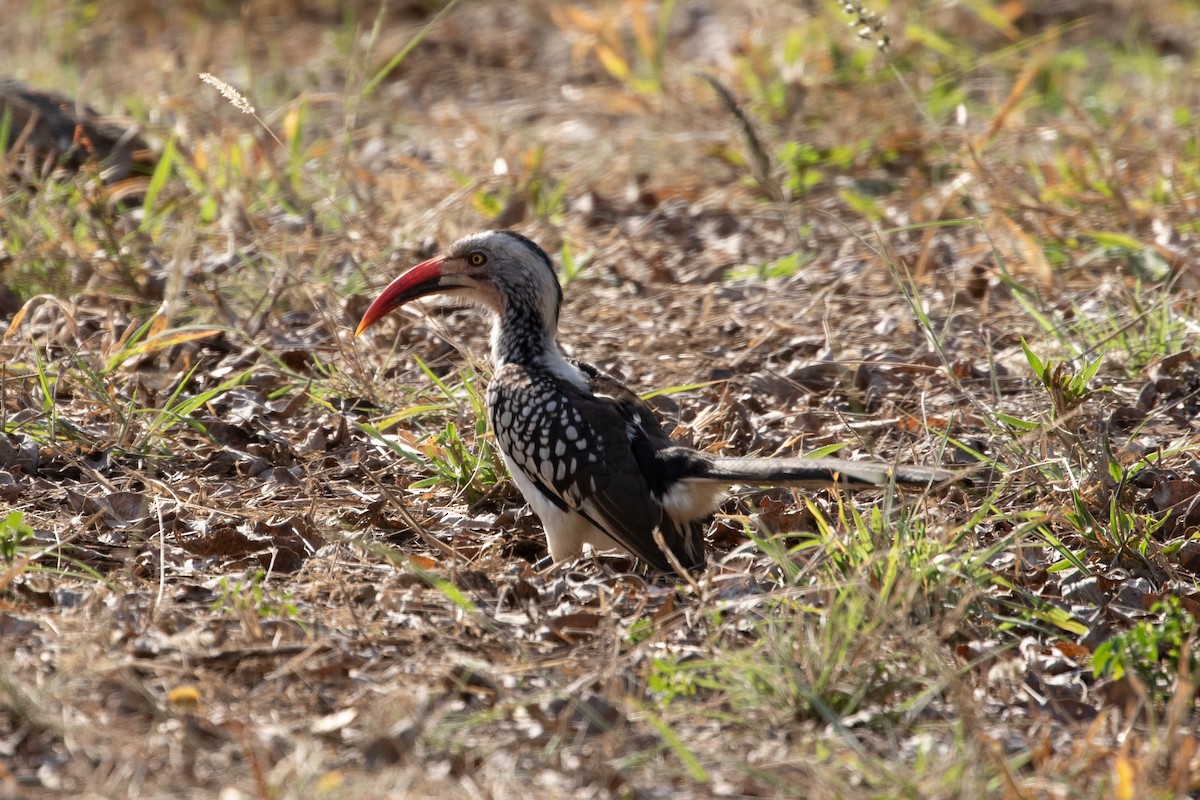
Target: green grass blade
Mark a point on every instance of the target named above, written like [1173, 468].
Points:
[675, 743]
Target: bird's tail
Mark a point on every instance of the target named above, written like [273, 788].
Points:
[820, 472]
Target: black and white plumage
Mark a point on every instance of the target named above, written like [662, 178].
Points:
[588, 454]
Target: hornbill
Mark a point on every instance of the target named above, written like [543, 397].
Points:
[587, 453]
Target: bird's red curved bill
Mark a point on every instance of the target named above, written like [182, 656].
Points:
[417, 282]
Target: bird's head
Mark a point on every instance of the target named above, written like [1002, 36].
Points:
[501, 270]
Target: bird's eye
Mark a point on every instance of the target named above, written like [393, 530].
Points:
[477, 258]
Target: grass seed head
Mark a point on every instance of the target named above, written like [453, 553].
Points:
[235, 98]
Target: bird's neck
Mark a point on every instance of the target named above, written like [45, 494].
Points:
[521, 335]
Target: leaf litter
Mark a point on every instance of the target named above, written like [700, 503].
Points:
[230, 583]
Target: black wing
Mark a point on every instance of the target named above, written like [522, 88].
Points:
[593, 453]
